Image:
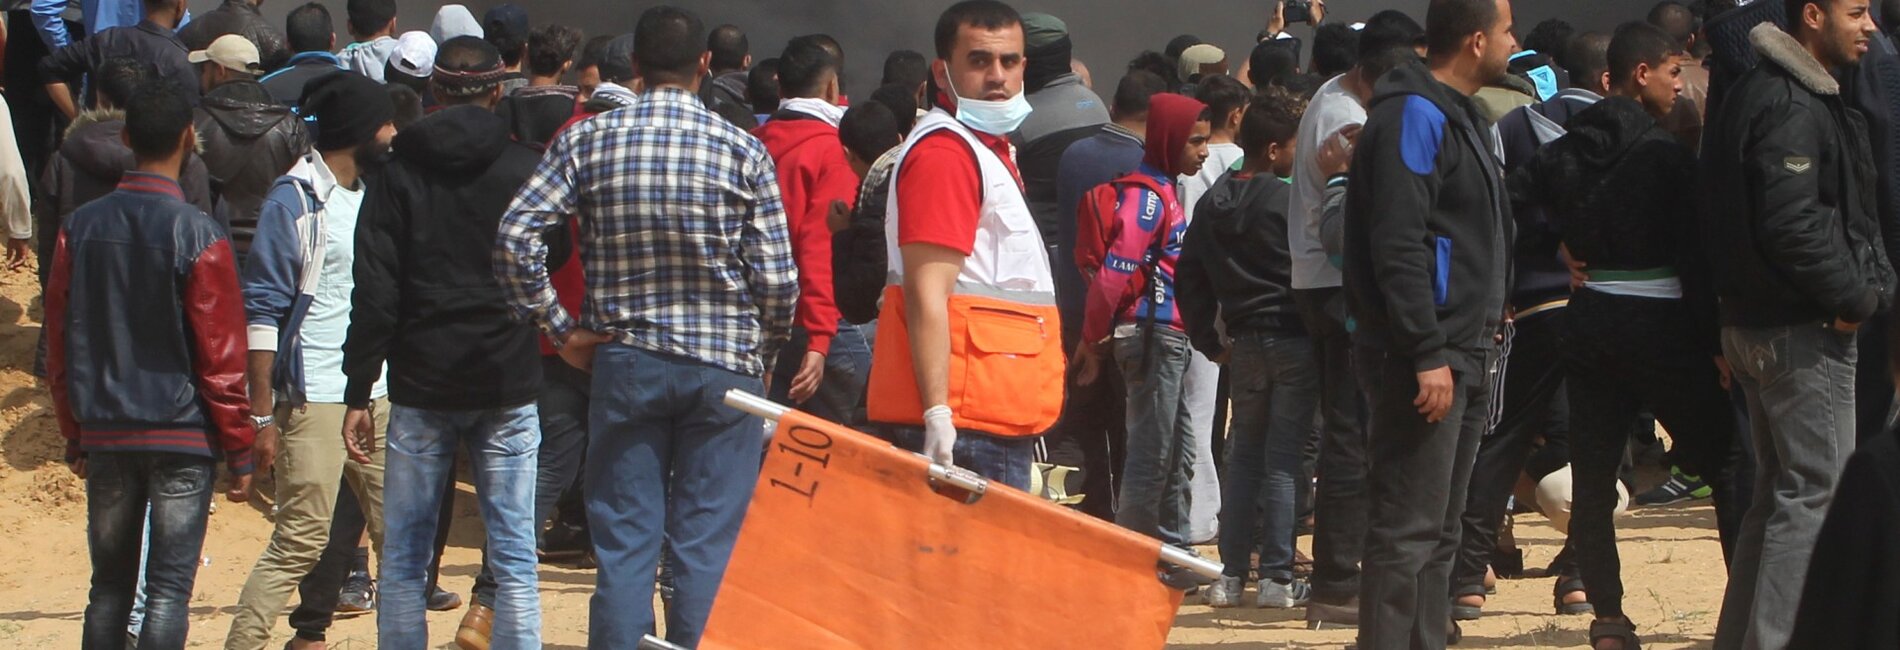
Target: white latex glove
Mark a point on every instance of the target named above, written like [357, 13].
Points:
[940, 435]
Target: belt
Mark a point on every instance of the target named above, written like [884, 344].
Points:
[1634, 275]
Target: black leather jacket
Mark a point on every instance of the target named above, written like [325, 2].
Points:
[242, 18]
[249, 140]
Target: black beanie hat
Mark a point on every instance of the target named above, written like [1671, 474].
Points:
[349, 109]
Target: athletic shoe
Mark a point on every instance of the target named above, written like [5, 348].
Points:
[1680, 487]
[1283, 595]
[1224, 593]
[442, 601]
[359, 594]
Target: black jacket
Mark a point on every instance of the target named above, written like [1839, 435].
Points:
[426, 296]
[1428, 233]
[239, 17]
[1542, 277]
[145, 41]
[1789, 180]
[286, 85]
[1612, 189]
[534, 114]
[89, 164]
[1235, 263]
[726, 95]
[1853, 581]
[249, 141]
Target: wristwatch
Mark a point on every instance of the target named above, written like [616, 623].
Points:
[262, 422]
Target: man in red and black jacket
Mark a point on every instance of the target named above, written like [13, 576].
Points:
[145, 356]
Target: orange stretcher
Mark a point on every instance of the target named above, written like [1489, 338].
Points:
[852, 543]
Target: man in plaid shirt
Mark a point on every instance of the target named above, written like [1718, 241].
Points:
[690, 289]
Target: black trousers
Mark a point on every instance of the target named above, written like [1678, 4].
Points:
[1532, 406]
[319, 591]
[1623, 354]
[1419, 472]
[1875, 410]
[1090, 435]
[1340, 506]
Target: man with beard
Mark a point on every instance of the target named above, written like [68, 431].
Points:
[1427, 250]
[297, 325]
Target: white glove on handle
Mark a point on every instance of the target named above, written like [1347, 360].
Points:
[940, 435]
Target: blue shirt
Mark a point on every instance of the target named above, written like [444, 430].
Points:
[99, 15]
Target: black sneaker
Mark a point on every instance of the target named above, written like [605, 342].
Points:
[359, 594]
[442, 601]
[564, 542]
[1679, 488]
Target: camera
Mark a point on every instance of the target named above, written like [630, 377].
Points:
[1299, 11]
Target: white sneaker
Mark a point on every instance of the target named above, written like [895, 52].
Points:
[1283, 596]
[1224, 593]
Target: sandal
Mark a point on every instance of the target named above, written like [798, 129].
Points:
[1623, 631]
[1463, 612]
[1565, 587]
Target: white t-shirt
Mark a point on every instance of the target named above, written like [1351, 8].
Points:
[1333, 108]
[1221, 157]
[327, 323]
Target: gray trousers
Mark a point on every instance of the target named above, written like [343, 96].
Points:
[1418, 475]
[1799, 381]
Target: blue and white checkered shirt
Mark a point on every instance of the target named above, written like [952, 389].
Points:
[683, 238]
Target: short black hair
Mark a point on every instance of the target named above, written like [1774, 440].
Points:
[120, 77]
[550, 47]
[593, 51]
[408, 104]
[1587, 58]
[667, 42]
[155, 117]
[370, 16]
[729, 47]
[902, 100]
[1222, 94]
[1449, 22]
[1273, 117]
[907, 67]
[1179, 45]
[1550, 37]
[1389, 40]
[803, 67]
[1272, 62]
[155, 5]
[464, 54]
[983, 14]
[1637, 43]
[868, 130]
[1157, 64]
[616, 60]
[309, 28]
[761, 86]
[1135, 90]
[1335, 49]
[1794, 9]
[1677, 20]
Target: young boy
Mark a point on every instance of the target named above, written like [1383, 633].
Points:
[859, 266]
[1235, 270]
[1131, 308]
[140, 269]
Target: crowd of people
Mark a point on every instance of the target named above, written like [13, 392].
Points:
[1364, 293]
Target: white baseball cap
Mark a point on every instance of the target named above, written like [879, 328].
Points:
[414, 55]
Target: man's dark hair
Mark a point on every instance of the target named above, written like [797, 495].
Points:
[1157, 64]
[309, 28]
[982, 14]
[803, 67]
[1271, 63]
[761, 86]
[156, 115]
[729, 47]
[593, 51]
[1222, 94]
[868, 130]
[154, 5]
[1304, 85]
[1389, 40]
[370, 16]
[1134, 91]
[1273, 117]
[667, 42]
[550, 47]
[1587, 58]
[1637, 43]
[465, 54]
[1676, 20]
[1550, 37]
[1335, 49]
[1179, 45]
[907, 67]
[616, 60]
[902, 100]
[408, 104]
[1449, 22]
[119, 78]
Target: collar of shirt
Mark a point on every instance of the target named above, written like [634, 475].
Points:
[818, 108]
[318, 57]
[154, 29]
[1117, 129]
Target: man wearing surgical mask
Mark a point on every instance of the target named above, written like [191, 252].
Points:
[971, 287]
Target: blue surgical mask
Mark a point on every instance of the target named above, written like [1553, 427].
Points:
[990, 116]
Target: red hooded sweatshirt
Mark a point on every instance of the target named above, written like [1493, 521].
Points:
[812, 172]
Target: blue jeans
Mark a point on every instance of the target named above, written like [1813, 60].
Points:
[840, 397]
[563, 411]
[666, 459]
[1006, 460]
[1275, 383]
[1154, 496]
[503, 445]
[119, 488]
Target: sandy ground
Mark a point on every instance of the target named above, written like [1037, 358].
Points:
[1671, 562]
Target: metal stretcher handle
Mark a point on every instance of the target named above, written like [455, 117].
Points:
[770, 410]
[650, 642]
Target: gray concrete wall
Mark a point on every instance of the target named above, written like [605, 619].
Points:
[1107, 33]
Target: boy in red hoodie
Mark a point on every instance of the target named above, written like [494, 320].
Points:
[1131, 312]
[824, 368]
